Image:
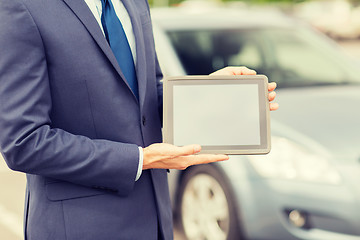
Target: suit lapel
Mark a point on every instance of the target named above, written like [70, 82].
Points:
[82, 11]
[140, 48]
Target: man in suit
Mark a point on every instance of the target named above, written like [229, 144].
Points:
[74, 120]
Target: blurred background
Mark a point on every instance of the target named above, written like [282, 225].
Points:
[308, 186]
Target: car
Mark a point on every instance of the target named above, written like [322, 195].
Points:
[308, 186]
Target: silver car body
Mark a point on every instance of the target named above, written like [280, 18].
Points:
[314, 163]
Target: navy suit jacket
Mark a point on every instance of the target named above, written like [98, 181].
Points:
[70, 121]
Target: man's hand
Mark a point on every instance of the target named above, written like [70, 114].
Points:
[163, 155]
[246, 71]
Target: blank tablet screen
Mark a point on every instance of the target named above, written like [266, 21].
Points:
[224, 115]
[223, 109]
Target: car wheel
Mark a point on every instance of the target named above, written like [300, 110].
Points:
[206, 206]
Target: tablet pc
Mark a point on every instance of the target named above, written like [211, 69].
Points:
[224, 114]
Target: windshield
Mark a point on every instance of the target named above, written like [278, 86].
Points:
[291, 57]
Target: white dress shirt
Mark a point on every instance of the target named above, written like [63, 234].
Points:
[121, 12]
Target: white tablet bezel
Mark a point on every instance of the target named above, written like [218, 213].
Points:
[264, 113]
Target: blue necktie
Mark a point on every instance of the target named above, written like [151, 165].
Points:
[119, 44]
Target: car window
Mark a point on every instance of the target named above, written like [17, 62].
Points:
[300, 59]
[203, 52]
[291, 57]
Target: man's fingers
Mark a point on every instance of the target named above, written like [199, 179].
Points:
[272, 96]
[234, 71]
[206, 158]
[187, 150]
[274, 106]
[272, 86]
[240, 71]
[243, 71]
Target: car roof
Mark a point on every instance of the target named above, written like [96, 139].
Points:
[184, 18]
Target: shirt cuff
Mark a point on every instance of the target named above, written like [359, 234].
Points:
[141, 160]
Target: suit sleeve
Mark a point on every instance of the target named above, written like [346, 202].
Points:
[27, 141]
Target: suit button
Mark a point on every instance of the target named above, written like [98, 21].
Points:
[143, 120]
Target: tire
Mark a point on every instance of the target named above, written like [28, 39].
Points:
[206, 208]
